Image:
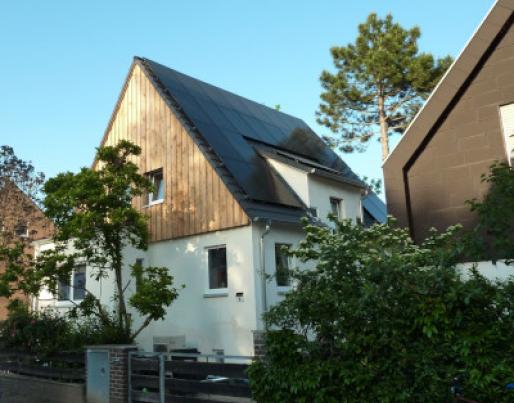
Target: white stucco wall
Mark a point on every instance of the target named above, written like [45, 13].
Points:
[315, 191]
[499, 271]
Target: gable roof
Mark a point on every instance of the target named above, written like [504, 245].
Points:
[454, 82]
[232, 131]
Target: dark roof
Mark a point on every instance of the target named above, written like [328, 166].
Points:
[375, 207]
[234, 128]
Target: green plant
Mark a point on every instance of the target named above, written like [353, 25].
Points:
[381, 319]
[493, 236]
[92, 211]
[379, 84]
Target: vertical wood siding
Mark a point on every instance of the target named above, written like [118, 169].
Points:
[196, 199]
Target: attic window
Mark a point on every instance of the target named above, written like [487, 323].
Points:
[21, 230]
[507, 121]
[157, 195]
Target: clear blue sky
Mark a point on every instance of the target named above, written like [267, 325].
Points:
[63, 62]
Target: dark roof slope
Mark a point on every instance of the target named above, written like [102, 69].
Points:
[233, 127]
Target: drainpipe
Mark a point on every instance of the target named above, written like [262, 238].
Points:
[263, 267]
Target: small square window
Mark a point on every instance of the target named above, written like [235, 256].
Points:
[217, 262]
[336, 207]
[282, 264]
[157, 195]
[21, 230]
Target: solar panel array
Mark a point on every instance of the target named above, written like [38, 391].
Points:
[227, 121]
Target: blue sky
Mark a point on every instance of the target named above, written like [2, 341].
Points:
[63, 62]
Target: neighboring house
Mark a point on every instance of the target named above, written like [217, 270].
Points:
[21, 220]
[233, 179]
[466, 124]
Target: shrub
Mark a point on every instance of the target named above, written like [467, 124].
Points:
[46, 332]
[382, 319]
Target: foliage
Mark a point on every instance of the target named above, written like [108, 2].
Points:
[92, 211]
[382, 319]
[373, 184]
[47, 333]
[378, 86]
[493, 235]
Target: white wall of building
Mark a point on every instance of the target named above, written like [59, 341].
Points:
[315, 191]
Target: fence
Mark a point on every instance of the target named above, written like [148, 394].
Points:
[63, 367]
[187, 378]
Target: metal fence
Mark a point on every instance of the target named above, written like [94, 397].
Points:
[187, 378]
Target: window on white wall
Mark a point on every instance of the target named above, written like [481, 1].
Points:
[282, 261]
[157, 179]
[336, 207]
[73, 288]
[139, 277]
[507, 120]
[217, 266]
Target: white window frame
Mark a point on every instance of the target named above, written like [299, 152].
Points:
[150, 201]
[340, 207]
[282, 289]
[26, 234]
[72, 299]
[215, 292]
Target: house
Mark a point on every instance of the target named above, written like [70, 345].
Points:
[21, 220]
[233, 178]
[466, 124]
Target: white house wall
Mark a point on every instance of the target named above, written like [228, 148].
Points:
[321, 190]
[208, 322]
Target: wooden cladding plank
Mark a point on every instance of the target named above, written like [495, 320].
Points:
[196, 199]
[213, 388]
[206, 368]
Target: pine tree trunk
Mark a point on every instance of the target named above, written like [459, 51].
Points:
[384, 127]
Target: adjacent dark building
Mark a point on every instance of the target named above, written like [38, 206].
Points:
[465, 125]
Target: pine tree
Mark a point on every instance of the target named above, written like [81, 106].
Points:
[379, 84]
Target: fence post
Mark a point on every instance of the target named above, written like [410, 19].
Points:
[129, 366]
[162, 383]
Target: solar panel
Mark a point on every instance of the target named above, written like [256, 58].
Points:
[226, 120]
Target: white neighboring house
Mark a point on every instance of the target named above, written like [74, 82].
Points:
[233, 180]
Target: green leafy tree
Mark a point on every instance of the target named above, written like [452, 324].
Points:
[378, 86]
[493, 236]
[92, 211]
[382, 319]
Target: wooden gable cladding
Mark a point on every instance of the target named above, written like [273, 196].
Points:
[196, 199]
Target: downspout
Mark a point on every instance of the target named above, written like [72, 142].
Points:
[263, 267]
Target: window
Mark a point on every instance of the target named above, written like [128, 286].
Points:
[21, 230]
[63, 290]
[79, 282]
[282, 264]
[336, 207]
[313, 211]
[139, 274]
[217, 261]
[507, 120]
[157, 196]
[74, 290]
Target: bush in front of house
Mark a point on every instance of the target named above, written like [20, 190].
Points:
[383, 319]
[45, 333]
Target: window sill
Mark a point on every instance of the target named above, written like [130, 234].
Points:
[217, 293]
[283, 290]
[154, 203]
